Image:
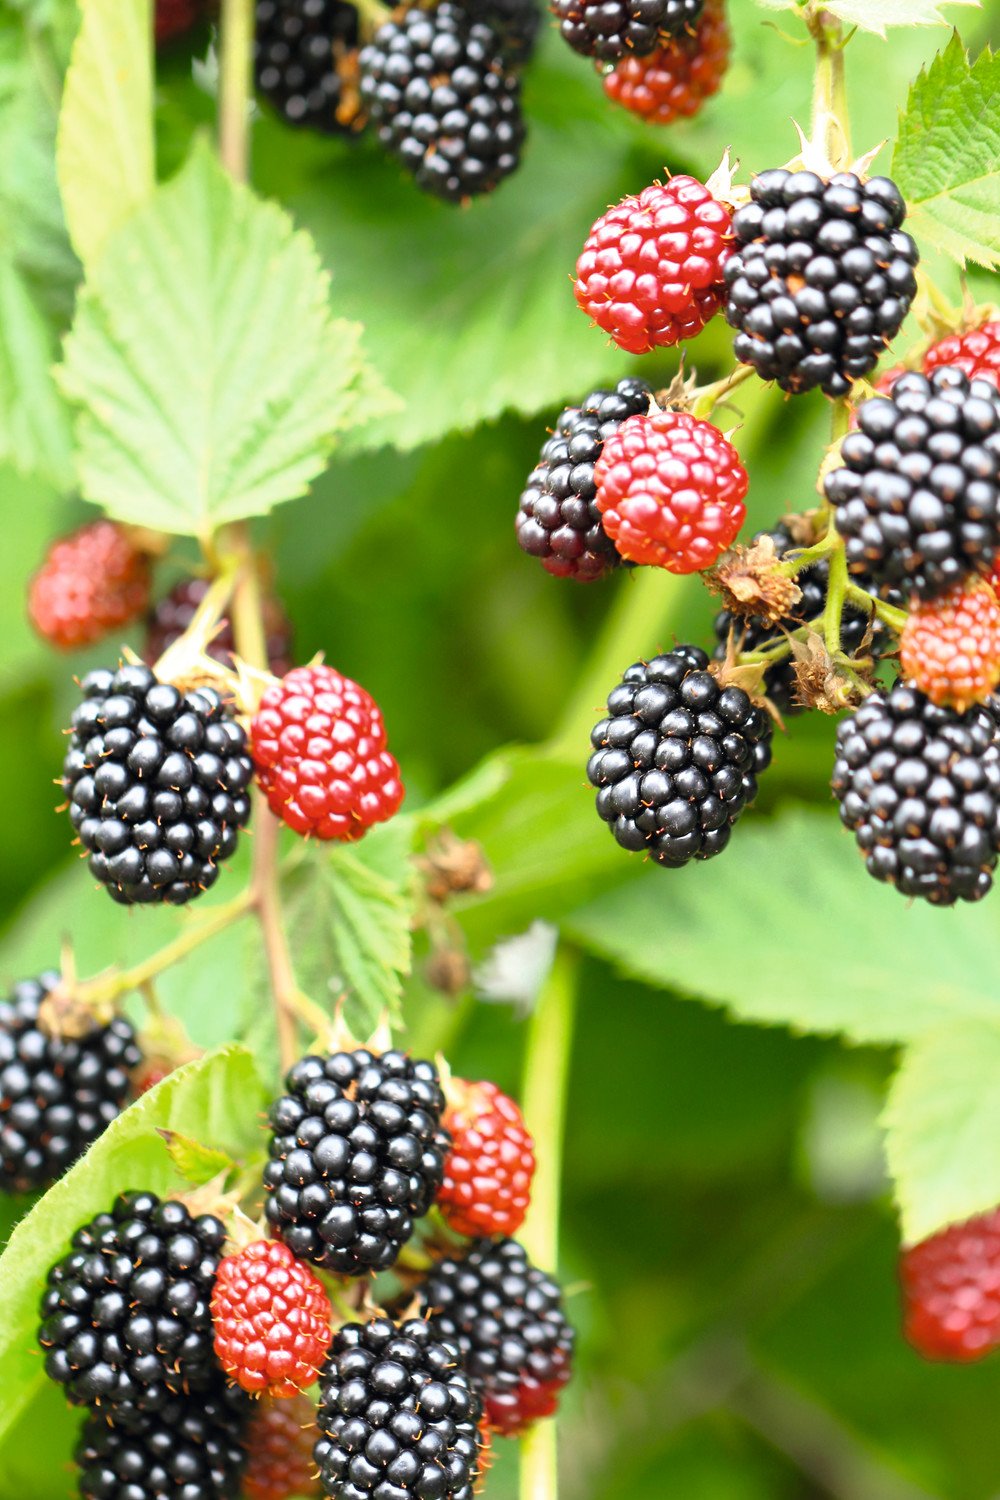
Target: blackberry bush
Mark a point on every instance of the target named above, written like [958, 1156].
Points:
[357, 1155]
[157, 781]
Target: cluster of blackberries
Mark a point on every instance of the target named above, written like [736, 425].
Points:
[158, 784]
[127, 1331]
[57, 1093]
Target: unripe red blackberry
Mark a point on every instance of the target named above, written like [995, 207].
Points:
[651, 271]
[821, 278]
[976, 353]
[673, 82]
[57, 1094]
[357, 1154]
[280, 1442]
[670, 491]
[446, 102]
[677, 759]
[175, 17]
[919, 787]
[398, 1417]
[950, 646]
[174, 613]
[126, 1321]
[272, 1319]
[951, 1290]
[91, 583]
[319, 749]
[557, 519]
[917, 492]
[157, 782]
[610, 29]
[506, 1317]
[300, 50]
[191, 1448]
[488, 1171]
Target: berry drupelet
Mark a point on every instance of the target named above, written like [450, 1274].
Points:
[488, 1171]
[57, 1093]
[280, 1442]
[188, 1449]
[272, 1319]
[157, 782]
[506, 1318]
[677, 758]
[917, 492]
[950, 646]
[174, 613]
[951, 1290]
[126, 1321]
[357, 1154]
[299, 49]
[651, 271]
[610, 29]
[821, 277]
[919, 787]
[440, 89]
[673, 82]
[557, 519]
[398, 1417]
[976, 353]
[90, 584]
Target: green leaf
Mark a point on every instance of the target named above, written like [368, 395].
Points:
[216, 1100]
[942, 1125]
[876, 15]
[351, 909]
[211, 379]
[786, 928]
[947, 156]
[104, 151]
[196, 1163]
[34, 425]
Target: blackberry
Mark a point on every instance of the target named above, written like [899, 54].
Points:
[517, 22]
[300, 50]
[821, 277]
[157, 782]
[557, 519]
[174, 613]
[398, 1418]
[917, 493]
[187, 1450]
[357, 1153]
[677, 758]
[506, 1318]
[126, 1319]
[919, 787]
[779, 679]
[57, 1094]
[610, 29]
[445, 100]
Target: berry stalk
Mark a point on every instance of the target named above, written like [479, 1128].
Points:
[831, 130]
[235, 80]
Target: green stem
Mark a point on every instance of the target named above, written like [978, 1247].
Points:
[235, 80]
[831, 129]
[805, 558]
[836, 592]
[543, 1098]
[887, 613]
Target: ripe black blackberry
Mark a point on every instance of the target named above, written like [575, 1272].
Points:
[611, 29]
[301, 50]
[157, 782]
[397, 1415]
[917, 493]
[517, 22]
[779, 679]
[357, 1153]
[506, 1318]
[57, 1094]
[126, 1316]
[820, 279]
[557, 518]
[677, 758]
[445, 100]
[190, 1449]
[919, 787]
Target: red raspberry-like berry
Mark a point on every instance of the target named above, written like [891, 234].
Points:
[488, 1171]
[90, 583]
[272, 1319]
[977, 352]
[174, 17]
[174, 613]
[951, 1290]
[950, 646]
[673, 82]
[670, 489]
[280, 1442]
[318, 743]
[650, 273]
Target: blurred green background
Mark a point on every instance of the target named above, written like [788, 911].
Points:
[727, 1231]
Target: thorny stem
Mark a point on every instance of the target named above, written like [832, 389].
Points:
[543, 1096]
[235, 75]
[830, 127]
